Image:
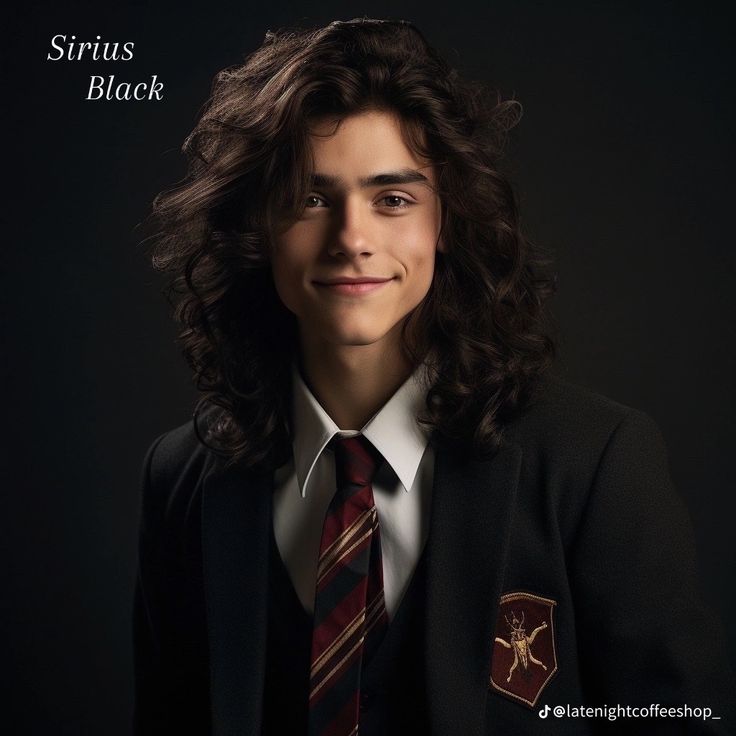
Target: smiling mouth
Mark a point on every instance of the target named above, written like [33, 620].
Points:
[352, 286]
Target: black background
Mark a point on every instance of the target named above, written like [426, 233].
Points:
[623, 165]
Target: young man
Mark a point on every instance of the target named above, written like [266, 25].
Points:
[385, 519]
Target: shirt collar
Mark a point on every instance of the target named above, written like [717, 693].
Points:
[393, 430]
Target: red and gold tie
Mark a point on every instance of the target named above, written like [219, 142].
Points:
[349, 609]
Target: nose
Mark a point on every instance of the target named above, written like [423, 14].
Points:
[352, 237]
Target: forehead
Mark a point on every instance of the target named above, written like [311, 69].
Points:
[362, 144]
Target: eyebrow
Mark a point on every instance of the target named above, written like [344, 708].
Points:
[402, 176]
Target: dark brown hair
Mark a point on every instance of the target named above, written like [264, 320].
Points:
[483, 318]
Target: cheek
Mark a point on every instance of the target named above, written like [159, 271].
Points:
[421, 241]
[426, 274]
[420, 262]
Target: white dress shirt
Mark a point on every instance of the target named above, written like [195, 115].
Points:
[402, 487]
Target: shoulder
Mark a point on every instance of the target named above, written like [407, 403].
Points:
[174, 466]
[567, 423]
[176, 451]
[592, 462]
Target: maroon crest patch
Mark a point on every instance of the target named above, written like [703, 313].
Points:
[524, 658]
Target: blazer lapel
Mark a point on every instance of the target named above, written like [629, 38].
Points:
[472, 508]
[236, 517]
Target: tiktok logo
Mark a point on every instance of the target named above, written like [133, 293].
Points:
[544, 712]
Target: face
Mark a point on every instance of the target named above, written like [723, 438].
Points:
[362, 255]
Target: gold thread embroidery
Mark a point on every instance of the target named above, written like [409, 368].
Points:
[520, 643]
[540, 599]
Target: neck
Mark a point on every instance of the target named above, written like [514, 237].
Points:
[352, 382]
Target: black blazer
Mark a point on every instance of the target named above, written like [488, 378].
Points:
[576, 508]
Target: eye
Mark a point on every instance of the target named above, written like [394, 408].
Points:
[395, 202]
[314, 200]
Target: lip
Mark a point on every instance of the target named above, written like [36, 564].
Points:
[350, 285]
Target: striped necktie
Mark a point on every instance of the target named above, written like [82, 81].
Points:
[349, 609]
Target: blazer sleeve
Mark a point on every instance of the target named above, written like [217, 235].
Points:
[150, 666]
[171, 687]
[645, 636]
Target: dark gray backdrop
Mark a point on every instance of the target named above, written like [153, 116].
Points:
[623, 164]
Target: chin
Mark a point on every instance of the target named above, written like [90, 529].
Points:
[351, 329]
[356, 338]
[361, 334]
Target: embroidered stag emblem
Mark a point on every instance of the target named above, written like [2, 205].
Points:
[520, 643]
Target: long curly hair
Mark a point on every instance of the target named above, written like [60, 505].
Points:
[483, 321]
